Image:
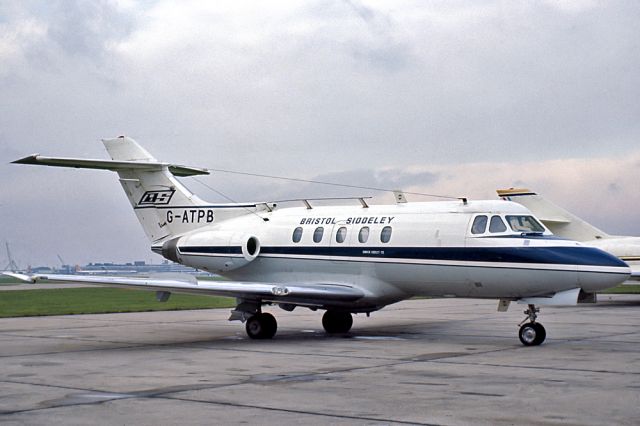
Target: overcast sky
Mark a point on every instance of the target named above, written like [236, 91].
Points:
[445, 97]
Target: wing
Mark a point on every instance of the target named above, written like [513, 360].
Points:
[311, 294]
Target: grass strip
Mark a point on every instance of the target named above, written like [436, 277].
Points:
[623, 289]
[5, 280]
[98, 300]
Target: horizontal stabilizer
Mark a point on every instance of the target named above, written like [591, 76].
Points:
[113, 165]
[514, 192]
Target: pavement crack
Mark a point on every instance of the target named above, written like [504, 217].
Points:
[304, 412]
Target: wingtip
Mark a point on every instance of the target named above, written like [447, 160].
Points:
[22, 277]
[30, 159]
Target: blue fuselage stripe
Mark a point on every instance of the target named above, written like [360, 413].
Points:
[534, 255]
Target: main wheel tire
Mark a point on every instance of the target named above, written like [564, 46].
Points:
[541, 333]
[261, 326]
[532, 334]
[337, 322]
[271, 325]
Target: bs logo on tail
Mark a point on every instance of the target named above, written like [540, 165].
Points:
[156, 198]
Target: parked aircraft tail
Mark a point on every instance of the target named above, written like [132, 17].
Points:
[558, 220]
[163, 205]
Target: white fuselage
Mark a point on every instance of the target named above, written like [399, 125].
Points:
[413, 249]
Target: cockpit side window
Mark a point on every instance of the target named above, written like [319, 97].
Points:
[479, 225]
[497, 225]
[524, 224]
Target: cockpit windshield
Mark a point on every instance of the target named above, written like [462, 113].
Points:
[525, 224]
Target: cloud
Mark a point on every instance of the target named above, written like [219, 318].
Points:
[600, 190]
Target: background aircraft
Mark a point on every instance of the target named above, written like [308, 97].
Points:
[345, 259]
[567, 225]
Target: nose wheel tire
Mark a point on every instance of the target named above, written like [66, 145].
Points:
[261, 326]
[335, 322]
[532, 334]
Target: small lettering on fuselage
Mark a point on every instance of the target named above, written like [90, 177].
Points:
[190, 216]
[374, 252]
[365, 220]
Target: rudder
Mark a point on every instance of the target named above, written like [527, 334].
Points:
[155, 194]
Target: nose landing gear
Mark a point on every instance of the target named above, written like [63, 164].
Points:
[532, 333]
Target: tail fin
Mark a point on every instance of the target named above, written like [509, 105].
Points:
[163, 205]
[152, 192]
[558, 220]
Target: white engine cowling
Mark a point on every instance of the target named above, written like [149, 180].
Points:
[213, 251]
[250, 248]
[249, 251]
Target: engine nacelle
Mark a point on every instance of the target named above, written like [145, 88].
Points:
[249, 248]
[213, 251]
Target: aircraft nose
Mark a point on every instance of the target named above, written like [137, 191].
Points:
[603, 270]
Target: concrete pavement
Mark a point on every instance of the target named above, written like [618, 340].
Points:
[442, 361]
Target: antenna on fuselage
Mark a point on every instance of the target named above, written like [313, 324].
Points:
[342, 185]
[400, 197]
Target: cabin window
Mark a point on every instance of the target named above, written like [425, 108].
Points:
[341, 235]
[497, 225]
[297, 234]
[524, 224]
[479, 225]
[385, 234]
[317, 234]
[363, 235]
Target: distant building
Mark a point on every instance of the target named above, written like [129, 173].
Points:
[129, 268]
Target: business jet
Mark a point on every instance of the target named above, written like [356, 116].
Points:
[566, 225]
[344, 259]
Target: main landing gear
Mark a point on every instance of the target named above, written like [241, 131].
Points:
[335, 322]
[532, 333]
[263, 325]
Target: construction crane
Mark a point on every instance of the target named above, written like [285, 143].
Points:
[11, 266]
[64, 267]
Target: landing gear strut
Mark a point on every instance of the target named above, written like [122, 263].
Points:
[337, 322]
[532, 333]
[262, 325]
